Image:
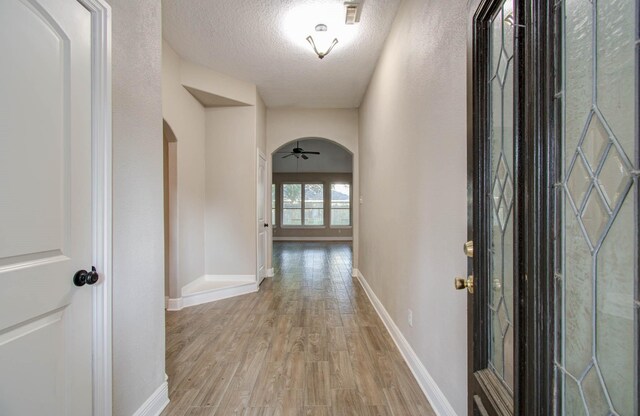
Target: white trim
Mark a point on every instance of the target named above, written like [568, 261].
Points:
[303, 227]
[354, 272]
[221, 287]
[156, 403]
[265, 215]
[270, 272]
[101, 202]
[173, 304]
[428, 385]
[312, 238]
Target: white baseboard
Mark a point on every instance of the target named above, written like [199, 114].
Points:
[210, 288]
[436, 397]
[156, 403]
[312, 238]
[174, 304]
[270, 272]
[354, 272]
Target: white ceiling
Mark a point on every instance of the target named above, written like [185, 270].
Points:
[332, 158]
[263, 42]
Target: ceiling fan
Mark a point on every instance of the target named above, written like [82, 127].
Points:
[299, 152]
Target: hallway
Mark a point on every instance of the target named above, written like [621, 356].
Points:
[308, 343]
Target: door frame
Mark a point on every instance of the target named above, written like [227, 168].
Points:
[265, 180]
[534, 160]
[101, 143]
[540, 175]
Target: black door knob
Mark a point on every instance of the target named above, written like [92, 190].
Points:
[83, 277]
[266, 225]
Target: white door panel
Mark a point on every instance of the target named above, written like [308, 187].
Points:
[45, 207]
[262, 219]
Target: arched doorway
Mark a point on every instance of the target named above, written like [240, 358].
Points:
[312, 191]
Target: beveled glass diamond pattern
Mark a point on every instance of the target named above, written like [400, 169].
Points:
[594, 217]
[502, 214]
[503, 67]
[503, 319]
[496, 193]
[579, 182]
[595, 142]
[594, 394]
[502, 192]
[508, 191]
[596, 48]
[613, 177]
[502, 170]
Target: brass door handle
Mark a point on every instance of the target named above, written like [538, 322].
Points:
[462, 283]
[468, 249]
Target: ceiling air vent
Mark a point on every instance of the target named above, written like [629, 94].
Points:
[352, 13]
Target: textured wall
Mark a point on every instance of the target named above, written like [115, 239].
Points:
[413, 144]
[185, 115]
[230, 212]
[138, 264]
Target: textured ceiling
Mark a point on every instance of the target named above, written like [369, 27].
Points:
[263, 42]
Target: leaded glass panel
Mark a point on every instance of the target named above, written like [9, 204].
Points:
[502, 195]
[596, 284]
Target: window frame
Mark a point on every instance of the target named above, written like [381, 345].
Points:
[274, 205]
[302, 205]
[350, 209]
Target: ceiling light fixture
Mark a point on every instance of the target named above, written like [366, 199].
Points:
[321, 28]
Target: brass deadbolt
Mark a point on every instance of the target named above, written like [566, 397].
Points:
[468, 249]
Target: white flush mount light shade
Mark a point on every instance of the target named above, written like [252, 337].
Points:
[301, 19]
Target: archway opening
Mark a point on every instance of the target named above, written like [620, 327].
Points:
[312, 191]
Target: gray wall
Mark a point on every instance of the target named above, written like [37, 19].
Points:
[138, 264]
[413, 144]
[321, 177]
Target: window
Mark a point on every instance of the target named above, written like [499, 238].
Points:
[313, 204]
[273, 204]
[292, 204]
[340, 204]
[302, 204]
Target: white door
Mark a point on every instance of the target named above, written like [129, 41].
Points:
[262, 217]
[45, 208]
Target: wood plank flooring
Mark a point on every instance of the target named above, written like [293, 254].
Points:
[308, 343]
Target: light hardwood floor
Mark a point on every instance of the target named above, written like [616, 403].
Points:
[308, 343]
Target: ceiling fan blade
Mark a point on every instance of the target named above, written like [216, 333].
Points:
[311, 153]
[290, 154]
[305, 157]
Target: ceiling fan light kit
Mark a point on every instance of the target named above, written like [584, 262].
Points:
[299, 152]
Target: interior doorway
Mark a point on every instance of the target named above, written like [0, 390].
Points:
[312, 192]
[170, 181]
